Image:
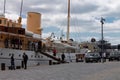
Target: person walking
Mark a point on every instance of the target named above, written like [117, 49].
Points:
[12, 62]
[104, 57]
[54, 52]
[25, 59]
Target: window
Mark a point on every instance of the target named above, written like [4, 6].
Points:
[13, 25]
[19, 55]
[0, 21]
[1, 36]
[4, 21]
[41, 56]
[1, 54]
[8, 24]
[9, 54]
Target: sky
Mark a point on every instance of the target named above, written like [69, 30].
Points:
[85, 17]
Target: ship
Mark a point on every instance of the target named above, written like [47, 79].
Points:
[14, 39]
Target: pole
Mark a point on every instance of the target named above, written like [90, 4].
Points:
[102, 42]
[68, 23]
[102, 37]
[4, 6]
[21, 7]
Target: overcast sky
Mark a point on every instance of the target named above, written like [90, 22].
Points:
[85, 17]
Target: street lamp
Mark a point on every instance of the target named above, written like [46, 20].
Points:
[102, 42]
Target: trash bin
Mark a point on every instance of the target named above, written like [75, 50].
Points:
[2, 66]
[50, 62]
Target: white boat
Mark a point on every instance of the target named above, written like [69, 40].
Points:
[16, 40]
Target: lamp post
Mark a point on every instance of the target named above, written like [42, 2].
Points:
[102, 42]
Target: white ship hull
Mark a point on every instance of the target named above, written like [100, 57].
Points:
[33, 58]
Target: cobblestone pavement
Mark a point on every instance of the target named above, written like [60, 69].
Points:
[69, 71]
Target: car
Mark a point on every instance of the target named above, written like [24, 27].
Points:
[114, 55]
[92, 57]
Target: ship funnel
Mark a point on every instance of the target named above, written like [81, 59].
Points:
[34, 22]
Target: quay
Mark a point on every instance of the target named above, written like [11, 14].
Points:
[71, 71]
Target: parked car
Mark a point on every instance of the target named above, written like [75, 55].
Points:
[114, 55]
[92, 57]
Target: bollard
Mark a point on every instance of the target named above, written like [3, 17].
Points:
[22, 65]
[2, 66]
[76, 59]
[50, 62]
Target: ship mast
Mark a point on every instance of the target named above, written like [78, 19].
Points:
[21, 7]
[4, 7]
[20, 18]
[68, 22]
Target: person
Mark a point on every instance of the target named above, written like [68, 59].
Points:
[12, 62]
[63, 57]
[25, 59]
[104, 57]
[54, 52]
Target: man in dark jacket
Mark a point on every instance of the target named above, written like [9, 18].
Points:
[63, 57]
[25, 59]
[12, 62]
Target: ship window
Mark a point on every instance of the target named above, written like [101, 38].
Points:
[9, 54]
[6, 29]
[35, 56]
[4, 21]
[38, 56]
[1, 54]
[19, 55]
[31, 56]
[0, 21]
[41, 56]
[1, 36]
[20, 31]
[13, 25]
[8, 24]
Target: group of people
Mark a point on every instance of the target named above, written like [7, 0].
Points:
[62, 55]
[24, 61]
